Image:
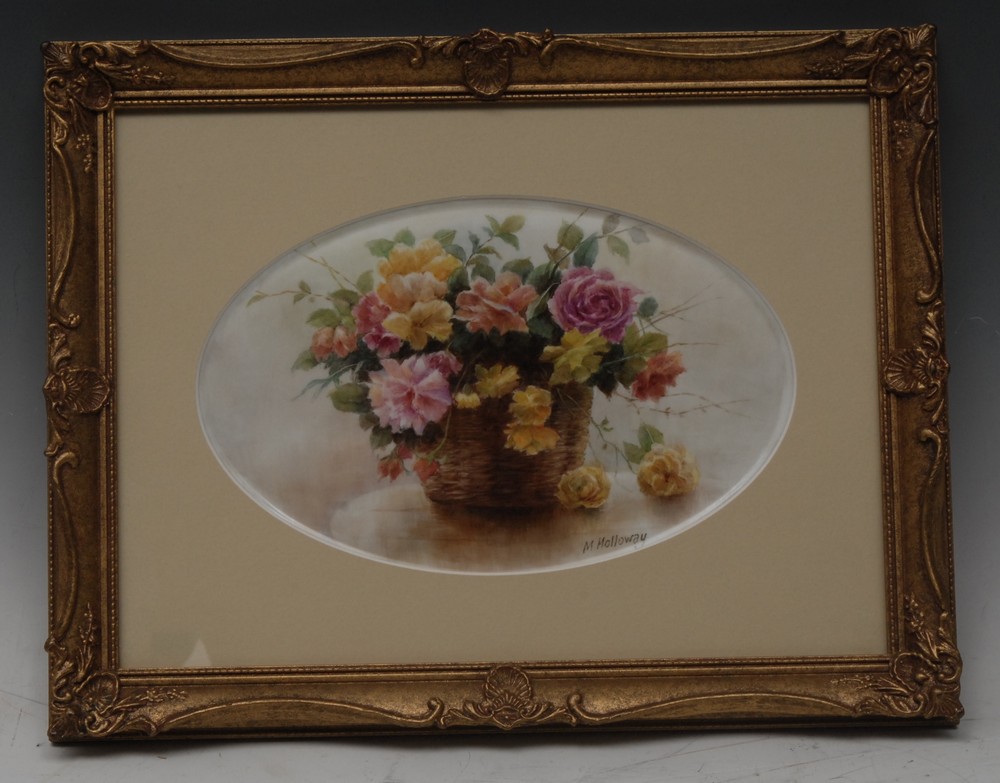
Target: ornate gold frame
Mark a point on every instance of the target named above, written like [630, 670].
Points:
[87, 83]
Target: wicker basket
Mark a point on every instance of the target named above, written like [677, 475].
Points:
[479, 471]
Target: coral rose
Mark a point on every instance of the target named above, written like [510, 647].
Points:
[668, 471]
[322, 343]
[592, 300]
[498, 306]
[660, 372]
[586, 487]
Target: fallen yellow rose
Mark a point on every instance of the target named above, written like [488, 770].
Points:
[668, 471]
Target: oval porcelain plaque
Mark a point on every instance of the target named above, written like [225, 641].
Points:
[496, 385]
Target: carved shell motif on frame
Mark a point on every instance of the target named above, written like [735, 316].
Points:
[84, 82]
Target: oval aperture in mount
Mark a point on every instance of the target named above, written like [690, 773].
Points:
[496, 385]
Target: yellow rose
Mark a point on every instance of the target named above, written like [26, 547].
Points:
[532, 405]
[529, 439]
[577, 356]
[496, 381]
[428, 256]
[586, 487]
[665, 472]
[467, 400]
[424, 321]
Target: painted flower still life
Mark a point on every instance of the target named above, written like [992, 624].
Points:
[502, 360]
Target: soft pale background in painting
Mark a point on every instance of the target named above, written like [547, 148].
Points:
[313, 467]
[782, 191]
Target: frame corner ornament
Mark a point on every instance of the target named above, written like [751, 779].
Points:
[81, 77]
[89, 702]
[487, 56]
[923, 681]
[895, 61]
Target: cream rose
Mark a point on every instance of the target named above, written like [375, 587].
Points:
[668, 471]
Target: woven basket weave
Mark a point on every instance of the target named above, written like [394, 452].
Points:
[479, 471]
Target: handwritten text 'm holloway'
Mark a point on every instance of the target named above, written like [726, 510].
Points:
[612, 542]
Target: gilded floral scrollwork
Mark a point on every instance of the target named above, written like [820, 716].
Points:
[79, 77]
[924, 681]
[89, 702]
[486, 56]
[923, 369]
[508, 702]
[896, 61]
[69, 388]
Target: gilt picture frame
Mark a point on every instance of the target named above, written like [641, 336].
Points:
[805, 162]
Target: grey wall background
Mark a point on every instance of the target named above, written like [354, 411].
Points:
[970, 121]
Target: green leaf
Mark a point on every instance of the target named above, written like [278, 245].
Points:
[304, 287]
[455, 250]
[512, 225]
[510, 239]
[570, 235]
[586, 252]
[306, 361]
[488, 250]
[298, 298]
[543, 326]
[324, 317]
[367, 420]
[480, 267]
[543, 276]
[520, 266]
[539, 306]
[380, 437]
[445, 237]
[458, 280]
[346, 295]
[350, 398]
[474, 239]
[256, 298]
[494, 225]
[637, 235]
[610, 224]
[405, 237]
[643, 345]
[648, 435]
[647, 307]
[366, 281]
[380, 247]
[618, 246]
[633, 453]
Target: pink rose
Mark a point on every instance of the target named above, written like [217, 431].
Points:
[409, 394]
[445, 362]
[369, 313]
[590, 300]
[660, 372]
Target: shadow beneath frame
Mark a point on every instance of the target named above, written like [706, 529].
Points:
[683, 740]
